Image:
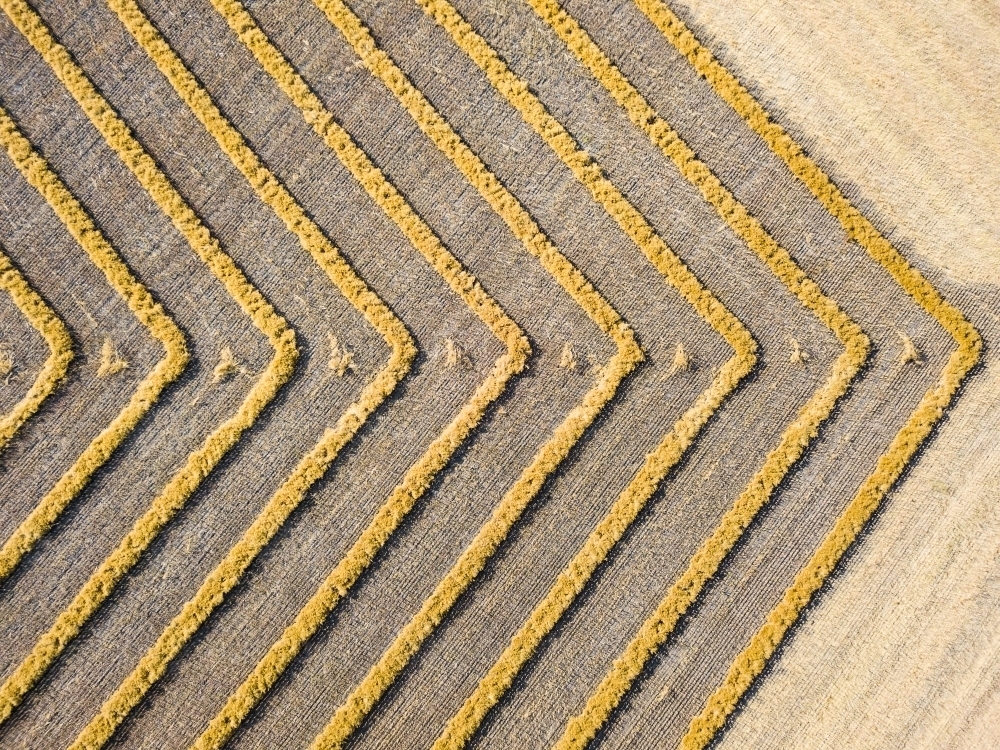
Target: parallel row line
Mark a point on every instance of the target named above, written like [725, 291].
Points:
[51, 328]
[219, 442]
[890, 466]
[350, 715]
[419, 478]
[530, 482]
[150, 314]
[779, 461]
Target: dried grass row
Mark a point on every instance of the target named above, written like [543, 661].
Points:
[546, 460]
[349, 716]
[151, 315]
[779, 461]
[626, 508]
[418, 479]
[200, 462]
[752, 660]
[44, 320]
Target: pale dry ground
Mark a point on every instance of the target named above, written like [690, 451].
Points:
[904, 650]
[898, 97]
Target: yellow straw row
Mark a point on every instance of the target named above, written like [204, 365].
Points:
[150, 314]
[752, 660]
[349, 717]
[200, 462]
[44, 320]
[779, 461]
[228, 573]
[549, 456]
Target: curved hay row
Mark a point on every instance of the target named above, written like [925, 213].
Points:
[44, 320]
[313, 466]
[201, 461]
[513, 504]
[657, 465]
[752, 660]
[778, 463]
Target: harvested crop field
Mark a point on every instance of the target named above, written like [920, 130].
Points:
[438, 373]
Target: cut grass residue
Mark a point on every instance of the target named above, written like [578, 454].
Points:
[752, 660]
[546, 460]
[111, 363]
[201, 461]
[314, 465]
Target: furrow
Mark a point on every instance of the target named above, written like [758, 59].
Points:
[752, 660]
[313, 466]
[44, 320]
[200, 462]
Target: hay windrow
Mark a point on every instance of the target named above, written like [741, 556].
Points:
[160, 326]
[44, 320]
[314, 465]
[549, 456]
[779, 461]
[349, 716]
[570, 363]
[890, 465]
[547, 613]
[201, 461]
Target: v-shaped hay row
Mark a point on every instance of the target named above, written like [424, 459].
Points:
[779, 461]
[150, 314]
[419, 478]
[752, 660]
[515, 501]
[44, 320]
[634, 498]
[201, 461]
[349, 716]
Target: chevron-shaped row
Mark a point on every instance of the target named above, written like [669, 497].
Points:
[417, 480]
[200, 463]
[779, 461]
[623, 512]
[44, 320]
[311, 468]
[891, 464]
[160, 326]
[549, 456]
